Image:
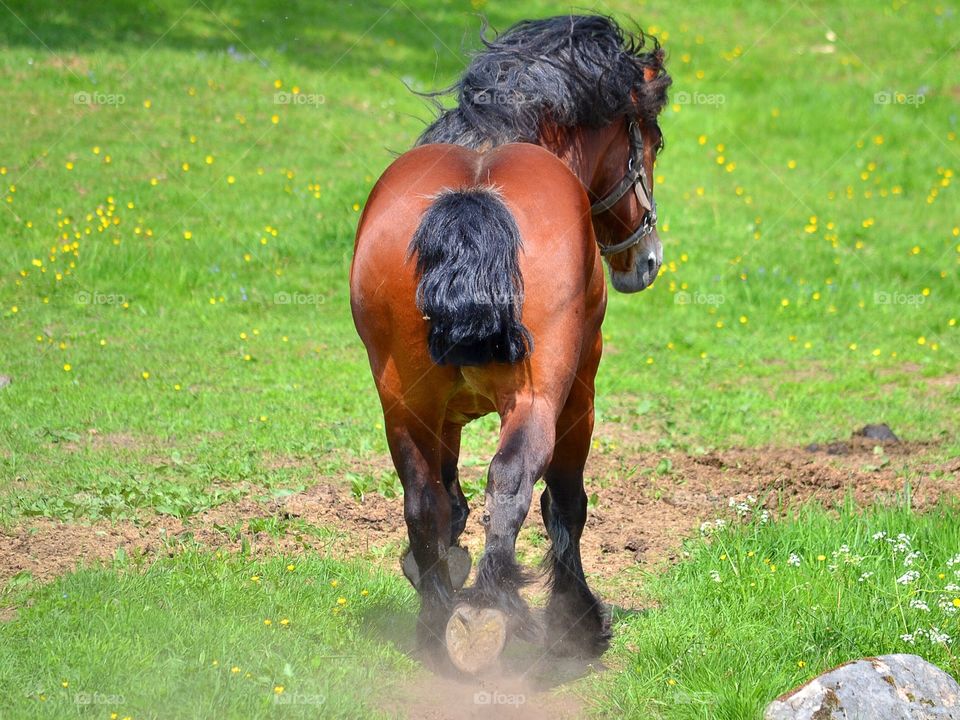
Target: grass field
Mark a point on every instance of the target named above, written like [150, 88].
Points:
[180, 186]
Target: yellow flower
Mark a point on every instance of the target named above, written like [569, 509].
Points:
[145, 375]
[821, 558]
[341, 601]
[255, 578]
[268, 621]
[65, 684]
[285, 622]
[67, 367]
[278, 689]
[234, 669]
[187, 235]
[275, 119]
[291, 567]
[801, 664]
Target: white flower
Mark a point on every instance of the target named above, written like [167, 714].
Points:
[764, 517]
[864, 576]
[908, 577]
[955, 560]
[952, 587]
[794, 560]
[910, 557]
[938, 637]
[908, 638]
[879, 535]
[715, 576]
[919, 605]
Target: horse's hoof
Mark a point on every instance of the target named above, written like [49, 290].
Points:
[475, 637]
[458, 563]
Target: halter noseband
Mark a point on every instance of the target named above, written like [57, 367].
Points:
[635, 178]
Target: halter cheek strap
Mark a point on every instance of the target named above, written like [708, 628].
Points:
[636, 179]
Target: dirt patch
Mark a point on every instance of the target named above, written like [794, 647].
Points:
[519, 690]
[646, 503]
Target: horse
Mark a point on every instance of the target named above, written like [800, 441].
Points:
[477, 286]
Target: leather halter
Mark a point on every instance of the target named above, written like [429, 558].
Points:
[635, 178]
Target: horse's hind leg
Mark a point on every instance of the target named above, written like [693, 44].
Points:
[415, 446]
[458, 559]
[577, 621]
[526, 442]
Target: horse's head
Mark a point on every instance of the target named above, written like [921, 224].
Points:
[625, 212]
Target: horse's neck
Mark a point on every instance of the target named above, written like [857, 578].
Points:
[577, 150]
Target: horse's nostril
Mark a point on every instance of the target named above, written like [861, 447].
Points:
[651, 264]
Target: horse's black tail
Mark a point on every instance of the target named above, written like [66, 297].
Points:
[470, 287]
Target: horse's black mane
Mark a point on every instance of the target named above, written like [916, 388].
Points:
[571, 71]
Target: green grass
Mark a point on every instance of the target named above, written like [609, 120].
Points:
[738, 622]
[723, 632]
[200, 635]
[157, 368]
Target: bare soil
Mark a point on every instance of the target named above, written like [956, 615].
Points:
[647, 503]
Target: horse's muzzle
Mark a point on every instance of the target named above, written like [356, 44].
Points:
[647, 259]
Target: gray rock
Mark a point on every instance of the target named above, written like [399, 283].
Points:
[889, 687]
[880, 432]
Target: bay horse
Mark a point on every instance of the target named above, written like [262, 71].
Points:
[477, 287]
